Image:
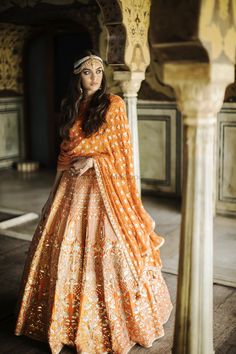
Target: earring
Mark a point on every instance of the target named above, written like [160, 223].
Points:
[81, 90]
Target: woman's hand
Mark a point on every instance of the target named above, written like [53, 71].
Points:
[81, 165]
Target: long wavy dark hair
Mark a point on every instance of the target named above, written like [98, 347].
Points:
[94, 115]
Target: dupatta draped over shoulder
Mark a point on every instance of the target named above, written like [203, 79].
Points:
[112, 152]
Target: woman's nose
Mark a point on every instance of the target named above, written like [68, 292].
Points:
[94, 75]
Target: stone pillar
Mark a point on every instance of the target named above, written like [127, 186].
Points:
[130, 84]
[200, 90]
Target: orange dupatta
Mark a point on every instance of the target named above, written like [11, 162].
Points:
[112, 152]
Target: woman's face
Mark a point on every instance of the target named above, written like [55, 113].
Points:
[91, 78]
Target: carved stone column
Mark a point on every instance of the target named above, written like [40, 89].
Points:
[200, 90]
[130, 84]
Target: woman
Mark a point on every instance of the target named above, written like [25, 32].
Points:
[92, 279]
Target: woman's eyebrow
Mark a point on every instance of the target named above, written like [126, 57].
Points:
[85, 69]
[95, 69]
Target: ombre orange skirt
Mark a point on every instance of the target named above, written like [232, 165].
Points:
[77, 288]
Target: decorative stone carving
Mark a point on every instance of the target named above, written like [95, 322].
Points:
[193, 99]
[130, 81]
[199, 89]
[218, 36]
[136, 16]
[11, 50]
[127, 23]
[116, 34]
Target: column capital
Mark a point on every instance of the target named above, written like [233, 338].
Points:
[199, 88]
[130, 81]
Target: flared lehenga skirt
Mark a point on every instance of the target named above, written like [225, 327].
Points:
[77, 288]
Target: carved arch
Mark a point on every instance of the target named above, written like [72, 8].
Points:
[113, 20]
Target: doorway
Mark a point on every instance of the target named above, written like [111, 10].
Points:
[48, 64]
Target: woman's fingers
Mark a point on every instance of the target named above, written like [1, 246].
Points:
[80, 167]
[84, 169]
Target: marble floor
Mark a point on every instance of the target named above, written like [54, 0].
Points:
[28, 193]
[168, 217]
[12, 256]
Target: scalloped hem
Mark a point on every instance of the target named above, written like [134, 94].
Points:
[125, 351]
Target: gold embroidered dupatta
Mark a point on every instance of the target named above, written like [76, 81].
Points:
[111, 150]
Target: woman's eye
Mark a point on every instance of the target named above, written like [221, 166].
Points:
[99, 71]
[86, 72]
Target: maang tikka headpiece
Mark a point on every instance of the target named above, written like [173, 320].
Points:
[87, 62]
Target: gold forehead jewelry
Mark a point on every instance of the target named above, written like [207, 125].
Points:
[86, 62]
